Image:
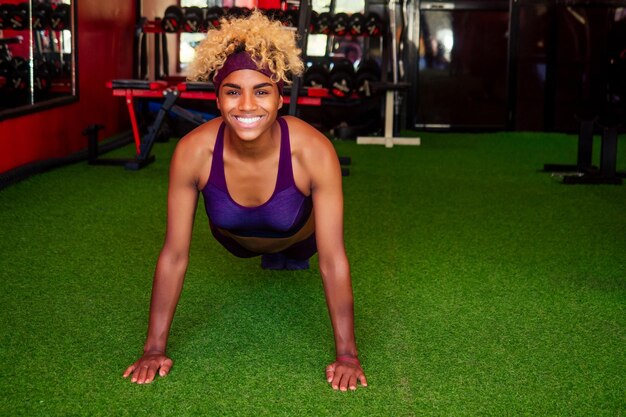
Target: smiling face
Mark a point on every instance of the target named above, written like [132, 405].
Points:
[249, 102]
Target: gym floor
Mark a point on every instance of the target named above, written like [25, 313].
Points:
[482, 287]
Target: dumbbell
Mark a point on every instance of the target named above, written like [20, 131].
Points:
[368, 73]
[5, 70]
[60, 17]
[193, 19]
[6, 11]
[291, 18]
[275, 15]
[341, 79]
[55, 67]
[19, 75]
[356, 24]
[42, 13]
[5, 54]
[339, 24]
[323, 23]
[237, 12]
[316, 76]
[19, 17]
[373, 24]
[41, 77]
[213, 17]
[172, 19]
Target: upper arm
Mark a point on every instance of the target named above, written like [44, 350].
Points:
[182, 200]
[327, 192]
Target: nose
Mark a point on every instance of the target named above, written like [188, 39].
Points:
[247, 101]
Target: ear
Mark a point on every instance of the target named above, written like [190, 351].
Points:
[217, 102]
[280, 101]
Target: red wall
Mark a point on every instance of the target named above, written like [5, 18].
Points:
[105, 39]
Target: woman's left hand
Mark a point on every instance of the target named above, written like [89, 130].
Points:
[343, 374]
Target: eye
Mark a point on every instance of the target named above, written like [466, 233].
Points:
[232, 92]
[262, 92]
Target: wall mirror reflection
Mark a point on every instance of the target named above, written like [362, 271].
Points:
[37, 55]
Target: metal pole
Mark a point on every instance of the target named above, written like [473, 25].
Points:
[512, 64]
[303, 28]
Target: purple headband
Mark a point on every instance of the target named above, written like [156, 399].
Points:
[239, 61]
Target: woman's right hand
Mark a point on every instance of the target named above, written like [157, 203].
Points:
[144, 370]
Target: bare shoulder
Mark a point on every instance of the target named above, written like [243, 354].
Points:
[308, 143]
[199, 140]
[195, 150]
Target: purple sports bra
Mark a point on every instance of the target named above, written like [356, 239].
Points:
[286, 219]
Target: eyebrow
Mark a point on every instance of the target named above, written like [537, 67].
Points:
[238, 87]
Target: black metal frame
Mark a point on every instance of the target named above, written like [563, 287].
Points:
[583, 172]
[303, 29]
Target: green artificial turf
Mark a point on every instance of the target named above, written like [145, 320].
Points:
[482, 287]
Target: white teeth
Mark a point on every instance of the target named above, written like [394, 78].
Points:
[248, 120]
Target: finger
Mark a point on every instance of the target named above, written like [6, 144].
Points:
[136, 373]
[165, 367]
[143, 370]
[335, 382]
[129, 370]
[151, 373]
[330, 372]
[362, 379]
[339, 373]
[343, 385]
[352, 382]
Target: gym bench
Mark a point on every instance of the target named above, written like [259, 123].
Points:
[141, 89]
[130, 89]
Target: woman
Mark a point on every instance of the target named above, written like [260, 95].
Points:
[271, 187]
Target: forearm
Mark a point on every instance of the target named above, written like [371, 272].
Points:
[166, 289]
[339, 298]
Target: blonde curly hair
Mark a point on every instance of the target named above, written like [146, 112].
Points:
[269, 44]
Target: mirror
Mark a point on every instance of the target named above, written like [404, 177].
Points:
[37, 55]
